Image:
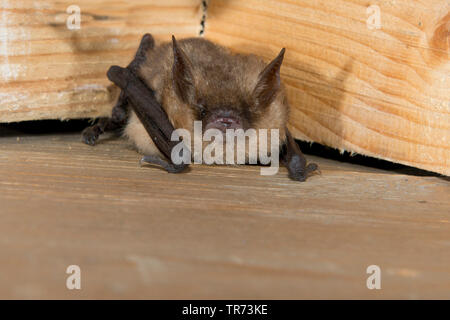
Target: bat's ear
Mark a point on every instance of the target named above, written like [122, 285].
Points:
[183, 78]
[268, 82]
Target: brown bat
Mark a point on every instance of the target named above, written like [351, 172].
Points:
[172, 85]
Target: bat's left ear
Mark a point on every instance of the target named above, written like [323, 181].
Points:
[183, 78]
[268, 82]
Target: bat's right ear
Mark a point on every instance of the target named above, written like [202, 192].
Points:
[268, 82]
[183, 79]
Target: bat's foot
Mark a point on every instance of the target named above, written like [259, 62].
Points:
[295, 161]
[166, 165]
[299, 172]
[90, 135]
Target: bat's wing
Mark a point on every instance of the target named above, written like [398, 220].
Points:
[119, 112]
[150, 113]
[143, 102]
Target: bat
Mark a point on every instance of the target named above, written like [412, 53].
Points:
[172, 85]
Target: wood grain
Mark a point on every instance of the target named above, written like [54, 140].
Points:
[214, 232]
[378, 92]
[50, 72]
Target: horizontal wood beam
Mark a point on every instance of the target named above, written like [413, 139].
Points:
[48, 71]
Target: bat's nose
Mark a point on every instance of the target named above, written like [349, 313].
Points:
[223, 123]
[229, 123]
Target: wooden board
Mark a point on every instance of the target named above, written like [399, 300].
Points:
[214, 232]
[378, 92]
[48, 71]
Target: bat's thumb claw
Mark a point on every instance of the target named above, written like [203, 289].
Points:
[142, 161]
[313, 168]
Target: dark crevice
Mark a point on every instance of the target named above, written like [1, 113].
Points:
[319, 150]
[203, 20]
[43, 127]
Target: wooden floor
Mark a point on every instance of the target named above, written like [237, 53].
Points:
[214, 232]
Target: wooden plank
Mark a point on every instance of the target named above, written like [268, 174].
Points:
[378, 92]
[48, 71]
[214, 232]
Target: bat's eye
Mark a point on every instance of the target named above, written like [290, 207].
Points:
[202, 110]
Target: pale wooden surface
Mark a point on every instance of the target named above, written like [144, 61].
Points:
[50, 72]
[215, 232]
[383, 93]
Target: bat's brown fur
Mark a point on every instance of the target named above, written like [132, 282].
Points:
[221, 81]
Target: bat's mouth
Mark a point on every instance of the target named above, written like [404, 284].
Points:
[223, 122]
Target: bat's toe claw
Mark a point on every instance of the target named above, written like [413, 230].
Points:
[89, 136]
[302, 173]
[312, 168]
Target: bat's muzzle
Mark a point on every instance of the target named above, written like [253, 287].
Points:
[223, 121]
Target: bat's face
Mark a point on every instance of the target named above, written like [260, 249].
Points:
[238, 99]
[231, 114]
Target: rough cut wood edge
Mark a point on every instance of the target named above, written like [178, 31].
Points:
[50, 72]
[382, 93]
